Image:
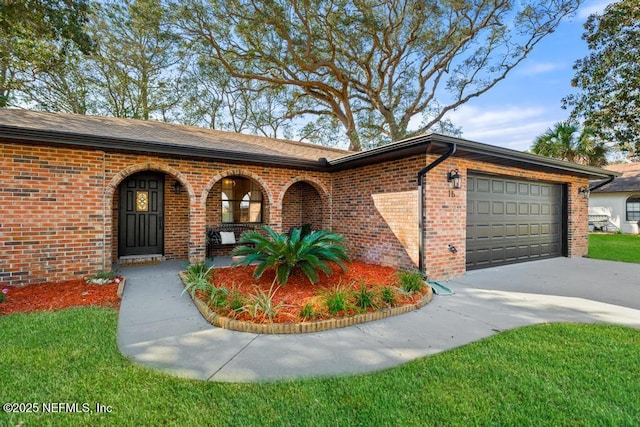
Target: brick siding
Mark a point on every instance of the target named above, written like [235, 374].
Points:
[302, 204]
[59, 208]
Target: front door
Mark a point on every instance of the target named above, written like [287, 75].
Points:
[141, 215]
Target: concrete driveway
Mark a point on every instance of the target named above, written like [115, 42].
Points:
[159, 327]
[610, 282]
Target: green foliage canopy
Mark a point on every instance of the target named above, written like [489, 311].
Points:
[35, 36]
[375, 66]
[566, 141]
[609, 77]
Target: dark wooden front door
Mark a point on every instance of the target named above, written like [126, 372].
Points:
[141, 215]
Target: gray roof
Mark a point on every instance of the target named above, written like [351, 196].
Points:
[109, 133]
[629, 181]
[154, 136]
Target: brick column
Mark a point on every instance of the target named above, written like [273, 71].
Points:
[197, 230]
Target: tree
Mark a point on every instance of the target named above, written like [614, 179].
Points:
[374, 65]
[66, 87]
[136, 60]
[35, 36]
[565, 141]
[218, 101]
[609, 77]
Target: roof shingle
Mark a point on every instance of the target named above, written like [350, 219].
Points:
[164, 133]
[629, 181]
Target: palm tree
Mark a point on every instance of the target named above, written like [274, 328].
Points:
[565, 141]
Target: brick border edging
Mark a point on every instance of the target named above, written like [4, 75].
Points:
[303, 327]
[121, 287]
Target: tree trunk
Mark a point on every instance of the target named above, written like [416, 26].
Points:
[354, 139]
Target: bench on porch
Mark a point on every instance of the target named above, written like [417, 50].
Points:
[225, 236]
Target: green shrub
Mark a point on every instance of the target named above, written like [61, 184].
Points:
[307, 311]
[217, 297]
[388, 295]
[198, 278]
[104, 275]
[336, 299]
[411, 281]
[261, 304]
[235, 300]
[272, 250]
[365, 298]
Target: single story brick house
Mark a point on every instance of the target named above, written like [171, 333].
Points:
[616, 205]
[78, 193]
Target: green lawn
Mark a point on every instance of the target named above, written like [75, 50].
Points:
[561, 374]
[615, 247]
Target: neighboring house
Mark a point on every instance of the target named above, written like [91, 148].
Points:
[78, 193]
[618, 201]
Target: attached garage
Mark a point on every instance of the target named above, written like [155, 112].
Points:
[513, 220]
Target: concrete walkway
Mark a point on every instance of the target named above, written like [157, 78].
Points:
[159, 327]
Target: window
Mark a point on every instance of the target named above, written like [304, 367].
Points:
[241, 201]
[633, 208]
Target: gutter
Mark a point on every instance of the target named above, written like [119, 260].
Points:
[452, 149]
[602, 184]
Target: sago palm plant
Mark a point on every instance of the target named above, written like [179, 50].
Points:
[272, 250]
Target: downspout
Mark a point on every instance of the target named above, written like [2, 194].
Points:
[104, 212]
[602, 184]
[421, 174]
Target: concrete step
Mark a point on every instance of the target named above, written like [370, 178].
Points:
[131, 260]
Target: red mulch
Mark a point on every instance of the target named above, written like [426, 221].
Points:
[56, 296]
[298, 291]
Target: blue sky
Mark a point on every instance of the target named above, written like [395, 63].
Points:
[528, 101]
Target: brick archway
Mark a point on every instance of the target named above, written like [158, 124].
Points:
[235, 172]
[300, 206]
[158, 167]
[179, 211]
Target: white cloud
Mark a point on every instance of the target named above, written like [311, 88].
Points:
[510, 126]
[540, 68]
[596, 6]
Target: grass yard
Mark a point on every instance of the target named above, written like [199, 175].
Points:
[615, 247]
[560, 374]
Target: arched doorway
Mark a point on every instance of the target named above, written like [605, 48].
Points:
[150, 217]
[235, 203]
[302, 206]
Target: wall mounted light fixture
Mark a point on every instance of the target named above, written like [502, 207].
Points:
[584, 191]
[454, 177]
[177, 187]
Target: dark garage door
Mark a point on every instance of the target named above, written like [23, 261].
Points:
[512, 220]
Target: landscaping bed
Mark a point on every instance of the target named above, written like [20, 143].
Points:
[60, 295]
[236, 300]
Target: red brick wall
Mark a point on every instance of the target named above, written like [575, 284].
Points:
[302, 205]
[52, 221]
[214, 207]
[375, 208]
[176, 221]
[53, 225]
[50, 213]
